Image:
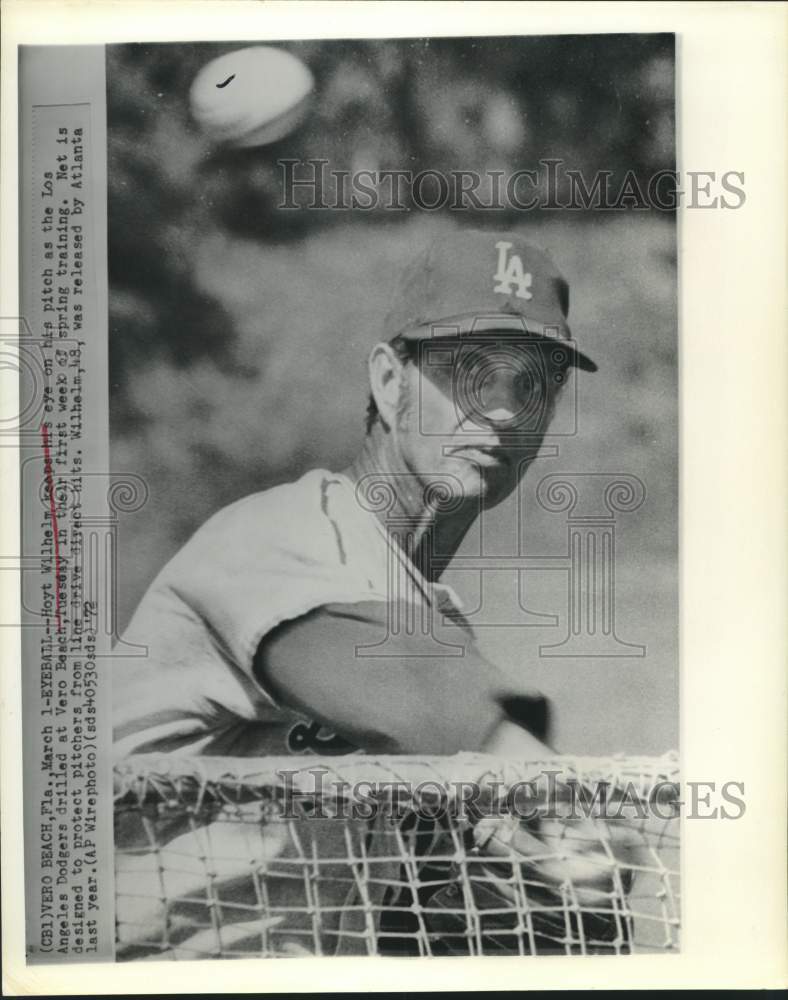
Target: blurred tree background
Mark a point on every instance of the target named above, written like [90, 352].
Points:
[239, 331]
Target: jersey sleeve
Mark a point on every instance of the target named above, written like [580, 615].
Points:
[269, 558]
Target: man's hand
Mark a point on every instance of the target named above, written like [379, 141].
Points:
[548, 886]
[587, 861]
[557, 846]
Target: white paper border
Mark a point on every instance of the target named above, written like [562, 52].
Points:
[734, 442]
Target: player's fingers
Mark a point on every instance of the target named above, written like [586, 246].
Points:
[595, 854]
[558, 855]
[609, 837]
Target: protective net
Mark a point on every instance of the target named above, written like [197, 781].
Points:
[239, 858]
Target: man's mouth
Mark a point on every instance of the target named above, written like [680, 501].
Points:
[485, 455]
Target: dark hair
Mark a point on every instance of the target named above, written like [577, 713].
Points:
[406, 351]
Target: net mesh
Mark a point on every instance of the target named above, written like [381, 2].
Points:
[230, 858]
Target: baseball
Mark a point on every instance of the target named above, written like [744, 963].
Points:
[251, 97]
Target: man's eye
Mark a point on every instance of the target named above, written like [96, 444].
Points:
[528, 385]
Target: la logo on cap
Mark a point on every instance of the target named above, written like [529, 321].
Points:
[510, 273]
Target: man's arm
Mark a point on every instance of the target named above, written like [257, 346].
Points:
[413, 701]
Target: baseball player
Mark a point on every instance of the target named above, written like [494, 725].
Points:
[298, 620]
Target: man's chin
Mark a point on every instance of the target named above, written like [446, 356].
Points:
[491, 482]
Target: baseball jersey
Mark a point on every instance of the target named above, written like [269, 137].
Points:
[183, 677]
[184, 681]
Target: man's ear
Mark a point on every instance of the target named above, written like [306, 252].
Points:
[384, 381]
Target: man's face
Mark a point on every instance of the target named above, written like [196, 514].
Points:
[477, 412]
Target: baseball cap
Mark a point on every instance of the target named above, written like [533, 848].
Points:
[475, 281]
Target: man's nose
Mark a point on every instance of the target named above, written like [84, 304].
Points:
[497, 398]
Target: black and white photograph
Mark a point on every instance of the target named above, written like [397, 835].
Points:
[399, 497]
[385, 443]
